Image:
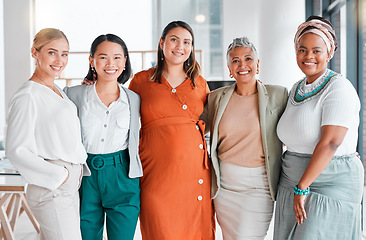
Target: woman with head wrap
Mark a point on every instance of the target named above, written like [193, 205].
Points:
[320, 190]
[245, 150]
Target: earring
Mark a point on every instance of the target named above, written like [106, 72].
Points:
[231, 76]
[162, 58]
[94, 73]
[257, 71]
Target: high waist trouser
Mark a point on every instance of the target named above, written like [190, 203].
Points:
[58, 211]
[109, 191]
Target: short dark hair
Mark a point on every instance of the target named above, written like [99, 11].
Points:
[127, 72]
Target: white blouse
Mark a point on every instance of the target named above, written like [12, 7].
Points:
[337, 104]
[42, 125]
[105, 129]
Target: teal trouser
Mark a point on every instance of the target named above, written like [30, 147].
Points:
[109, 191]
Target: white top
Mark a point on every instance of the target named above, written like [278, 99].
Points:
[336, 104]
[105, 129]
[42, 125]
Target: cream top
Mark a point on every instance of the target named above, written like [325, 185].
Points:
[240, 140]
[42, 125]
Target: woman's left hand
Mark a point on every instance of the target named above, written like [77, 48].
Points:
[299, 209]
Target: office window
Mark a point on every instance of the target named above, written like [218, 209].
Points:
[138, 23]
[83, 21]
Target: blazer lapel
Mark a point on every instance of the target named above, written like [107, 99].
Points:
[263, 100]
[220, 109]
[133, 118]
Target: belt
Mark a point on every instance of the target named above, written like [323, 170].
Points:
[181, 120]
[100, 161]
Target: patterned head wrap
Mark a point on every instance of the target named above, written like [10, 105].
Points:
[322, 29]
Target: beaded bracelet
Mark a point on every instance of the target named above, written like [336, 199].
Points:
[301, 192]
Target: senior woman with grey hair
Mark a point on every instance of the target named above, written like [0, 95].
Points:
[245, 150]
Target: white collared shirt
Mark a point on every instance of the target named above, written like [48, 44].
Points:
[105, 129]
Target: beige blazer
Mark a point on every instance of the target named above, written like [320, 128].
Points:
[272, 103]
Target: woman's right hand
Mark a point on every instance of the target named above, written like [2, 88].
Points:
[87, 82]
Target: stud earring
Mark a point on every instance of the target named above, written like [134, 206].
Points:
[231, 76]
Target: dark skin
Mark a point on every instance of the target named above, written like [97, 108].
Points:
[331, 138]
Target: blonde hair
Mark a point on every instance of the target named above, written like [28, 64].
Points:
[46, 36]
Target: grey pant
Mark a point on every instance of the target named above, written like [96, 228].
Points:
[58, 211]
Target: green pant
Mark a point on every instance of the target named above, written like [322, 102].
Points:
[109, 191]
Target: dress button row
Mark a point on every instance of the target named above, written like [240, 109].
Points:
[199, 198]
[105, 125]
[174, 90]
[107, 112]
[200, 181]
[184, 107]
[102, 140]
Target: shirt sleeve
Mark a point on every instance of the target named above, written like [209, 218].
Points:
[21, 146]
[341, 104]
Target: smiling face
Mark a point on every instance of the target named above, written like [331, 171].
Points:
[52, 58]
[243, 65]
[109, 61]
[312, 56]
[177, 46]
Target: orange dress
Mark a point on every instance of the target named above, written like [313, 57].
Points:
[175, 188]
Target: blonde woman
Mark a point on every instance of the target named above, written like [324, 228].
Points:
[43, 140]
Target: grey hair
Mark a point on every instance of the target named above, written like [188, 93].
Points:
[241, 42]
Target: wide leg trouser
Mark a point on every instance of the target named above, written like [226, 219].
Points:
[109, 191]
[58, 211]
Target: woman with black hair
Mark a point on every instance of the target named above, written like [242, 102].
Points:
[109, 117]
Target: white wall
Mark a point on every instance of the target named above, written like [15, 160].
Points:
[17, 43]
[271, 26]
[2, 82]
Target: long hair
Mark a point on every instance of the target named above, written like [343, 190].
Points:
[126, 74]
[190, 66]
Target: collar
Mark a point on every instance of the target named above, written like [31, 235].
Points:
[93, 96]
